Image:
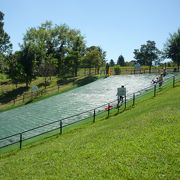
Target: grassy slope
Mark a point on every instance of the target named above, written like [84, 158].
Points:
[141, 143]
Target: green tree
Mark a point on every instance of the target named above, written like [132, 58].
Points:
[15, 69]
[67, 45]
[147, 54]
[60, 43]
[172, 48]
[121, 61]
[112, 63]
[27, 62]
[5, 45]
[94, 57]
[47, 68]
[76, 49]
[3, 63]
[40, 41]
[59, 46]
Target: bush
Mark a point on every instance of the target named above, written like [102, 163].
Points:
[117, 70]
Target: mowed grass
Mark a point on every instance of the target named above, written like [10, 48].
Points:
[140, 143]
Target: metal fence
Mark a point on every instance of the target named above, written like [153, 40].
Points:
[105, 110]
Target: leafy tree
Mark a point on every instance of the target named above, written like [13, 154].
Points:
[27, 62]
[21, 65]
[60, 43]
[117, 70]
[15, 69]
[147, 54]
[47, 68]
[90, 58]
[130, 63]
[121, 61]
[76, 49]
[94, 57]
[172, 47]
[5, 45]
[3, 63]
[112, 63]
[101, 60]
[39, 40]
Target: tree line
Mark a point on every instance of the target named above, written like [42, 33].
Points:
[148, 53]
[49, 50]
[46, 51]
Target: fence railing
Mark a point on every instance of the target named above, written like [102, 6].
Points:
[92, 113]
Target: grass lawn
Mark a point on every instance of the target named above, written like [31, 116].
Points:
[141, 143]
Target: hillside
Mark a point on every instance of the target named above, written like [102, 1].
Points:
[141, 143]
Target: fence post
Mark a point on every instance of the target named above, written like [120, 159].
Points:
[173, 81]
[154, 90]
[108, 109]
[133, 99]
[118, 101]
[60, 123]
[20, 141]
[94, 116]
[14, 101]
[125, 102]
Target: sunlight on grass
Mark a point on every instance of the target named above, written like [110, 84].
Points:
[140, 143]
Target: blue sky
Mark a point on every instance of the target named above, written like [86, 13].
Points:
[117, 26]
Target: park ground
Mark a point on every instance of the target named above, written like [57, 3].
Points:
[143, 142]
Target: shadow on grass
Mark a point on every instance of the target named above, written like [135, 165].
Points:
[44, 84]
[66, 81]
[86, 80]
[9, 96]
[5, 82]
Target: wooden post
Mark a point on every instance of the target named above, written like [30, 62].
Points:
[154, 90]
[60, 123]
[133, 99]
[108, 109]
[173, 81]
[94, 116]
[20, 141]
[125, 102]
[118, 101]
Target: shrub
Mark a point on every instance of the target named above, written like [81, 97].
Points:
[117, 70]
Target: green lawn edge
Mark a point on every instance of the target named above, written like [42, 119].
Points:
[140, 143]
